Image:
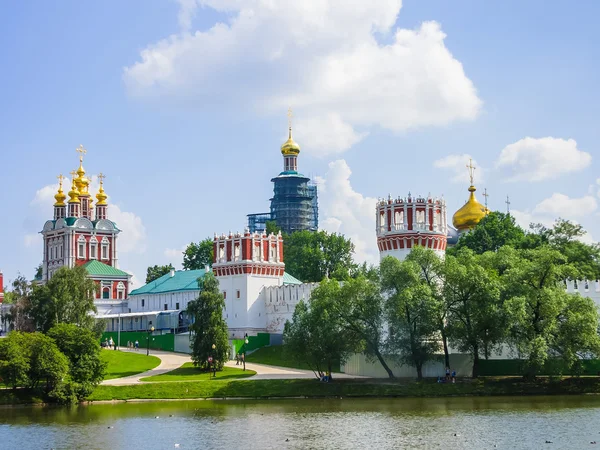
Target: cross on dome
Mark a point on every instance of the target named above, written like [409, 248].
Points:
[471, 168]
[82, 151]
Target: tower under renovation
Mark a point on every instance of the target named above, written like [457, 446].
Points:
[294, 206]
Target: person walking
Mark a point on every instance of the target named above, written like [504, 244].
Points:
[137, 345]
[447, 373]
[454, 376]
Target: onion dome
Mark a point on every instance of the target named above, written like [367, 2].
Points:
[470, 214]
[101, 195]
[60, 195]
[74, 193]
[290, 147]
[82, 181]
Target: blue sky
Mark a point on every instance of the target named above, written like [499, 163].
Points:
[182, 104]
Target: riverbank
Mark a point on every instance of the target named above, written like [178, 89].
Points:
[343, 388]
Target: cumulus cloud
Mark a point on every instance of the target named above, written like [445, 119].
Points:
[532, 159]
[564, 206]
[321, 57]
[343, 210]
[457, 165]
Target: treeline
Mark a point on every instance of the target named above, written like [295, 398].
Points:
[500, 289]
[54, 346]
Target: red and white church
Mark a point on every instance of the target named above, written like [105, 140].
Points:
[81, 234]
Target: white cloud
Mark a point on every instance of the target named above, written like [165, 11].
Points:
[319, 56]
[457, 164]
[343, 210]
[561, 205]
[533, 159]
[175, 256]
[135, 282]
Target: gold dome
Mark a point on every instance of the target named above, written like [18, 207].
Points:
[82, 181]
[101, 195]
[470, 214]
[290, 147]
[60, 195]
[74, 193]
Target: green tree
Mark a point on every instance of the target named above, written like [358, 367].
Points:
[208, 326]
[476, 320]
[494, 231]
[545, 320]
[316, 335]
[80, 346]
[272, 227]
[155, 272]
[47, 364]
[38, 272]
[361, 311]
[20, 299]
[412, 313]
[68, 297]
[312, 256]
[198, 255]
[14, 362]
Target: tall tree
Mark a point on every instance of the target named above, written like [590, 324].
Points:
[431, 272]
[271, 227]
[155, 272]
[68, 297]
[312, 256]
[412, 312]
[198, 255]
[20, 299]
[208, 327]
[476, 318]
[361, 311]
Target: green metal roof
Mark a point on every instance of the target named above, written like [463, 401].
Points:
[182, 280]
[288, 279]
[96, 268]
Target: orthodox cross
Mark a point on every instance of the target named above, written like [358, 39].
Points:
[486, 195]
[101, 177]
[507, 205]
[82, 151]
[471, 168]
[289, 114]
[73, 175]
[60, 179]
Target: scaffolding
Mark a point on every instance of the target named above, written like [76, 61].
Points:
[294, 206]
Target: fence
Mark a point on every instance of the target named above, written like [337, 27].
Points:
[164, 342]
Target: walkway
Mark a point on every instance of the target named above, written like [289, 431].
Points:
[168, 361]
[171, 361]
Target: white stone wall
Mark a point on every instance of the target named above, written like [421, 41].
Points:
[586, 288]
[280, 302]
[156, 302]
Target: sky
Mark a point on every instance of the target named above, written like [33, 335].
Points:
[182, 105]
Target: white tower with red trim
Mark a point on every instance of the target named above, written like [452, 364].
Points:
[245, 264]
[404, 223]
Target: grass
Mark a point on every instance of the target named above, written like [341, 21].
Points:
[276, 355]
[344, 388]
[188, 372]
[125, 364]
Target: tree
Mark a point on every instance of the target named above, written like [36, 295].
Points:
[81, 347]
[476, 319]
[68, 297]
[431, 272]
[315, 334]
[312, 256]
[47, 363]
[271, 227]
[38, 272]
[361, 314]
[155, 272]
[198, 255]
[14, 363]
[492, 232]
[411, 312]
[545, 320]
[208, 325]
[20, 299]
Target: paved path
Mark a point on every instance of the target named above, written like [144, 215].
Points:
[169, 361]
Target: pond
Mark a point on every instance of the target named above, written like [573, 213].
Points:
[454, 423]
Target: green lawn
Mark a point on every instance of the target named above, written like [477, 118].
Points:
[275, 355]
[344, 388]
[188, 372]
[124, 364]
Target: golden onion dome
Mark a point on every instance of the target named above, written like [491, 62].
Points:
[81, 181]
[101, 195]
[74, 193]
[290, 147]
[470, 214]
[60, 196]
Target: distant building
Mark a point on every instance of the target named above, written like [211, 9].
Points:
[294, 206]
[80, 236]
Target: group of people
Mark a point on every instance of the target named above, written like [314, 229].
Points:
[239, 359]
[449, 378]
[109, 343]
[324, 377]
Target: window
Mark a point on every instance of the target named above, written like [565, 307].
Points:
[399, 219]
[120, 290]
[177, 305]
[236, 252]
[225, 295]
[143, 302]
[93, 248]
[60, 251]
[105, 293]
[81, 248]
[104, 248]
[272, 255]
[421, 218]
[166, 307]
[237, 294]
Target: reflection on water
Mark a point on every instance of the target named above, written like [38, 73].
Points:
[455, 423]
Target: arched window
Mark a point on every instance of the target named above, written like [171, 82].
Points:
[81, 248]
[120, 290]
[93, 248]
[104, 248]
[106, 293]
[399, 219]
